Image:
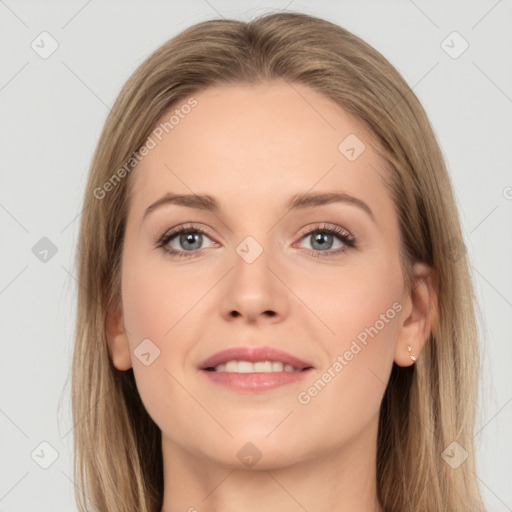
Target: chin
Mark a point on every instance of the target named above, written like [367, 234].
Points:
[258, 452]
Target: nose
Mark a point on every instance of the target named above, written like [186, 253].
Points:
[253, 293]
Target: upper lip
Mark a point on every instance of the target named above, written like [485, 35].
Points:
[253, 354]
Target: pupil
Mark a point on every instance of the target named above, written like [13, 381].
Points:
[321, 239]
[189, 238]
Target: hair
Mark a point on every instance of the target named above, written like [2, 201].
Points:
[427, 406]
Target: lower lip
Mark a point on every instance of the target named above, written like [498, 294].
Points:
[257, 381]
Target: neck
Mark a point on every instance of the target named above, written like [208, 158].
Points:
[342, 479]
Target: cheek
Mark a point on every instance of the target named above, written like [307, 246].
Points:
[162, 305]
[362, 308]
[353, 298]
[359, 358]
[156, 300]
[155, 308]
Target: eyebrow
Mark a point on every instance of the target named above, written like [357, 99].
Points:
[296, 202]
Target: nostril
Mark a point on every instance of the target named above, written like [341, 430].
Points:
[270, 313]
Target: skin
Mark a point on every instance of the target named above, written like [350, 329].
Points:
[252, 147]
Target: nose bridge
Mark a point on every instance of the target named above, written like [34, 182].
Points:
[251, 272]
[253, 288]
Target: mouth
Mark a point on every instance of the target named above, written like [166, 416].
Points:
[254, 368]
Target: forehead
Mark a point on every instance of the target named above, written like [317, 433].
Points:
[258, 144]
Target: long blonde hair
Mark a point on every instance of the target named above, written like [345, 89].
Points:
[426, 407]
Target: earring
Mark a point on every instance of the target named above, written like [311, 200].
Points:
[413, 357]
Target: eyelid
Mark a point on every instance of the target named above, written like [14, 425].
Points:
[319, 226]
[188, 226]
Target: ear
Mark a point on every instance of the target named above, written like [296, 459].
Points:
[419, 316]
[117, 339]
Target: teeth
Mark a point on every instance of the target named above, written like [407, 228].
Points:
[259, 366]
[231, 366]
[245, 367]
[277, 366]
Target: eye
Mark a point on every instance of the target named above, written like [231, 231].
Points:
[323, 237]
[183, 241]
[188, 240]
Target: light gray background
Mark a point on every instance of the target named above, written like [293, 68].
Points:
[52, 111]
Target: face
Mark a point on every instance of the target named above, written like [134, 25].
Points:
[319, 279]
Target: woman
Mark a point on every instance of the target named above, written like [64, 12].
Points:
[274, 309]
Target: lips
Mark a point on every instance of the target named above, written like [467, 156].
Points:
[254, 354]
[252, 374]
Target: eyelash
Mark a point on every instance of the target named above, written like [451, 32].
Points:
[344, 236]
